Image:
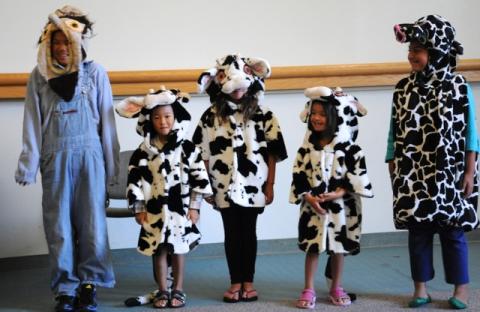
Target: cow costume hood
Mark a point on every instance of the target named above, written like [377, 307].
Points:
[78, 29]
[347, 106]
[438, 36]
[233, 72]
[141, 107]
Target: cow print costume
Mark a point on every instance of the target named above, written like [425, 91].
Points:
[162, 179]
[429, 127]
[340, 163]
[237, 150]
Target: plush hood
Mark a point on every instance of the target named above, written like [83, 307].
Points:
[233, 72]
[77, 28]
[438, 36]
[141, 107]
[347, 106]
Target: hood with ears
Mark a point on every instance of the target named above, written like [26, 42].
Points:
[438, 36]
[77, 28]
[347, 106]
[233, 72]
[141, 107]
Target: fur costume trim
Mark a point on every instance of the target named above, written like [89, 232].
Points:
[66, 20]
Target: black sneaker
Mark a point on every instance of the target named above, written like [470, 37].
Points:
[87, 299]
[65, 303]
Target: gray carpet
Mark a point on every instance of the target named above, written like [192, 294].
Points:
[380, 277]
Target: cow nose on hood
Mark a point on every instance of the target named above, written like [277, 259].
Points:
[236, 82]
[399, 33]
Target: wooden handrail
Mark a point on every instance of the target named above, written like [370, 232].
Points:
[13, 85]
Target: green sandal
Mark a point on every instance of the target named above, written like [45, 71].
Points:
[456, 304]
[419, 301]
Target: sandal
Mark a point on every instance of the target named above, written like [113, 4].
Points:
[307, 299]
[339, 297]
[249, 295]
[180, 296]
[161, 300]
[231, 296]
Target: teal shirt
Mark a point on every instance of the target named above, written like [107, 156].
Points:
[472, 137]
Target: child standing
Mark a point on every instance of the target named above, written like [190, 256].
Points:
[240, 142]
[431, 155]
[166, 182]
[329, 174]
[69, 132]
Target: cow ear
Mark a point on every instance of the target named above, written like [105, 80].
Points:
[260, 67]
[130, 107]
[205, 79]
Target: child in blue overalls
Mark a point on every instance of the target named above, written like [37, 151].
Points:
[69, 133]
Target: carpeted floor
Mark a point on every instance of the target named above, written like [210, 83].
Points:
[379, 276]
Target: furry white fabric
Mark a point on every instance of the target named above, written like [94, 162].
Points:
[163, 178]
[318, 170]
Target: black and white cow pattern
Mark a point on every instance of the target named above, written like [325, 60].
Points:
[429, 113]
[340, 163]
[233, 72]
[237, 150]
[163, 179]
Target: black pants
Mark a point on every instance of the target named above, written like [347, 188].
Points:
[240, 228]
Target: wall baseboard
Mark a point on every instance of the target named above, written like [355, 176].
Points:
[215, 250]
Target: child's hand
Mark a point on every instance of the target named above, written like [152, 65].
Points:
[141, 217]
[268, 193]
[314, 202]
[325, 197]
[467, 185]
[210, 200]
[193, 215]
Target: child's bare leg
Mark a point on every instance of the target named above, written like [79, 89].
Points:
[337, 271]
[178, 264]
[420, 290]
[461, 292]
[161, 299]
[311, 264]
[161, 269]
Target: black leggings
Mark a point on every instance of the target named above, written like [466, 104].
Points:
[240, 229]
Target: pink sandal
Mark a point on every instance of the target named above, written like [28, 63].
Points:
[307, 299]
[339, 297]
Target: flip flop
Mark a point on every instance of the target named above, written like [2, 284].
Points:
[249, 295]
[231, 296]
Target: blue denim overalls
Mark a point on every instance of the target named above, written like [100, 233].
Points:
[74, 182]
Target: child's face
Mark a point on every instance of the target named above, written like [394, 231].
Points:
[417, 56]
[163, 119]
[318, 117]
[60, 48]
